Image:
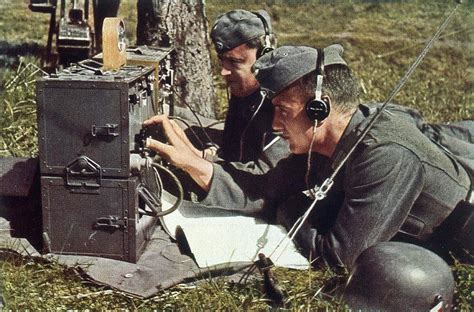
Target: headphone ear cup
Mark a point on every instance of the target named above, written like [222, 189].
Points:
[263, 50]
[317, 110]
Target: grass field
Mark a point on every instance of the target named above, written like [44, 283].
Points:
[381, 40]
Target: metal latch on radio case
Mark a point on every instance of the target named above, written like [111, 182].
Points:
[83, 172]
[110, 223]
[109, 130]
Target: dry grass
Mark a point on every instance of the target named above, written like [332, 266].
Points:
[18, 111]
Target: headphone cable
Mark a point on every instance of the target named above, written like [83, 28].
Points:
[308, 164]
[244, 133]
[198, 139]
[199, 123]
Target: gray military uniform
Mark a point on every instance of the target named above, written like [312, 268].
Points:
[261, 148]
[397, 182]
[248, 131]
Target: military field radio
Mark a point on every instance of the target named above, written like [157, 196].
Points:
[100, 195]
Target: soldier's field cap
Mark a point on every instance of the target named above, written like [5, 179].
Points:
[277, 70]
[238, 27]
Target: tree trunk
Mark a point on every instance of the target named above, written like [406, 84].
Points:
[184, 25]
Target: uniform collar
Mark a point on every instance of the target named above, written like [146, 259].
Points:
[356, 125]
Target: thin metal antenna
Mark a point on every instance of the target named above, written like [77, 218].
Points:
[397, 88]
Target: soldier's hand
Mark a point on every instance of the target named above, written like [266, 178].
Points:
[179, 152]
[180, 133]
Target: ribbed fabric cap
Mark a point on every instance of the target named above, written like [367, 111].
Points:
[238, 27]
[278, 69]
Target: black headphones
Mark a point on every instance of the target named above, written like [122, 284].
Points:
[316, 108]
[267, 45]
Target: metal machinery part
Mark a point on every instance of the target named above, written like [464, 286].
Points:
[161, 59]
[74, 36]
[74, 39]
[73, 30]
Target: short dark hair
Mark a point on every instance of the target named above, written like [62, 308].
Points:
[339, 84]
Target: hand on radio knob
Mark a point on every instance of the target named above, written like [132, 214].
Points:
[179, 152]
[182, 135]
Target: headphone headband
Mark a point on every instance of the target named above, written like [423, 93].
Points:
[319, 74]
[320, 62]
[316, 108]
[266, 28]
[267, 45]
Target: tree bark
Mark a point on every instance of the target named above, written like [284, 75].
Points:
[182, 24]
